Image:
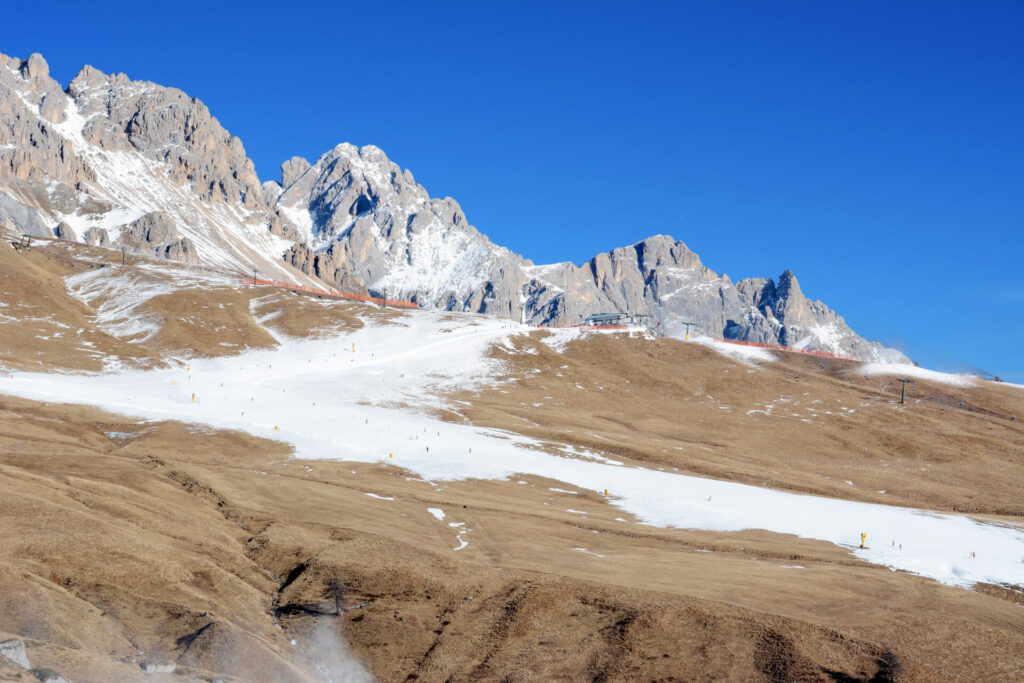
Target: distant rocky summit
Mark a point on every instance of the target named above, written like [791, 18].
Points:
[134, 165]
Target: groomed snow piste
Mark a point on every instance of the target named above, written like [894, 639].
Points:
[369, 405]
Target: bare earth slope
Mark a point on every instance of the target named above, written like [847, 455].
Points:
[127, 541]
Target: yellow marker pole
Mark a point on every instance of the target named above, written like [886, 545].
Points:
[863, 537]
[275, 427]
[391, 455]
[606, 492]
[193, 398]
[353, 346]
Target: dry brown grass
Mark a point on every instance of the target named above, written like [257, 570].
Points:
[122, 541]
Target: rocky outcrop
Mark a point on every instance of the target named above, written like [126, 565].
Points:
[63, 231]
[167, 126]
[97, 237]
[157, 233]
[17, 217]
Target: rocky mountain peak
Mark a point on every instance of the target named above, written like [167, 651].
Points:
[34, 67]
[292, 170]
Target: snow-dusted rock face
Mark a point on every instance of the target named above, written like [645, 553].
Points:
[91, 161]
[365, 220]
[130, 164]
[366, 223]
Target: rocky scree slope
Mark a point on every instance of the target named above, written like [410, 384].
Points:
[121, 163]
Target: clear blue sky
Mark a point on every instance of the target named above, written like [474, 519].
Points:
[874, 148]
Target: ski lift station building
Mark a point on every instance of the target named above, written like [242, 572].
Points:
[618, 320]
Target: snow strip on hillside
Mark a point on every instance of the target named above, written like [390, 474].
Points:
[331, 402]
[738, 351]
[906, 370]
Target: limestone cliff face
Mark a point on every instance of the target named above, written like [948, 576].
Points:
[130, 164]
[99, 160]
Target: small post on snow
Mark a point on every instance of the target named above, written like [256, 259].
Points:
[253, 277]
[687, 337]
[122, 256]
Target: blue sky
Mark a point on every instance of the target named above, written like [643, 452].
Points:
[874, 148]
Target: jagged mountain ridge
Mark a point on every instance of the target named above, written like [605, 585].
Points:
[132, 164]
[121, 163]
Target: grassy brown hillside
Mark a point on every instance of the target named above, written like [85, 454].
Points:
[125, 542]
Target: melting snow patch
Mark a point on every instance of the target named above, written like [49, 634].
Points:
[558, 339]
[745, 354]
[588, 552]
[374, 495]
[437, 512]
[907, 370]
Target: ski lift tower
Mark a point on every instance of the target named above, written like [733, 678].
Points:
[903, 395]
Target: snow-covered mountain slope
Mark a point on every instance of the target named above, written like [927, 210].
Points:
[121, 163]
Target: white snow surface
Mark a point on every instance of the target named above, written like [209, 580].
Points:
[907, 370]
[746, 354]
[329, 402]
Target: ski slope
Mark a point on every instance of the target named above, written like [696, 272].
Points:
[365, 397]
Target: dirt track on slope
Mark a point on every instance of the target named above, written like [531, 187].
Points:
[123, 542]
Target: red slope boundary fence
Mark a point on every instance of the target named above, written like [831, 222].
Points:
[392, 303]
[788, 349]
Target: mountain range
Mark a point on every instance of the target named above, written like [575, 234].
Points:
[137, 166]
